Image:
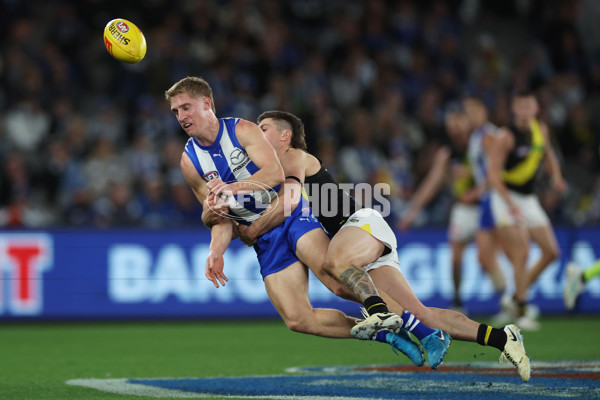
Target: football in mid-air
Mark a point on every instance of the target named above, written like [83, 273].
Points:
[124, 41]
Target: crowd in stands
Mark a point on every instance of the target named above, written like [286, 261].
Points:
[87, 141]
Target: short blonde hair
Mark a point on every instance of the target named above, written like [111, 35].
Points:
[193, 86]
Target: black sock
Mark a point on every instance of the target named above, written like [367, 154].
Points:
[521, 308]
[488, 336]
[374, 305]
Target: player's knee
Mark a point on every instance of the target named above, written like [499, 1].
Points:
[294, 325]
[297, 319]
[519, 258]
[553, 253]
[334, 264]
[298, 324]
[330, 265]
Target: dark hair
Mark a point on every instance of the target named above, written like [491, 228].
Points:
[524, 93]
[193, 86]
[290, 121]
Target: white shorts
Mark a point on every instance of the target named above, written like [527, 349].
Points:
[464, 222]
[529, 205]
[372, 222]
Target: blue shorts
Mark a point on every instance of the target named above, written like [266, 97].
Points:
[487, 217]
[276, 249]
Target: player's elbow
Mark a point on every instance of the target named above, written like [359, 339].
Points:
[210, 218]
[552, 254]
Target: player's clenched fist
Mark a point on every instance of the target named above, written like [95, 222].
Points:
[217, 186]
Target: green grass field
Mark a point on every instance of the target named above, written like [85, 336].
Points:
[37, 358]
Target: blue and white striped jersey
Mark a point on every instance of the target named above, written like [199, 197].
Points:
[227, 160]
[477, 158]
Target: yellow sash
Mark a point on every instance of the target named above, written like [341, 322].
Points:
[463, 184]
[526, 169]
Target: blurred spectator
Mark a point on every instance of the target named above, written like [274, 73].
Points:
[156, 208]
[105, 166]
[85, 139]
[16, 181]
[117, 208]
[361, 160]
[26, 125]
[107, 123]
[489, 60]
[189, 211]
[144, 161]
[79, 209]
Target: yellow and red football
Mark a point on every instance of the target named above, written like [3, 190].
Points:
[124, 41]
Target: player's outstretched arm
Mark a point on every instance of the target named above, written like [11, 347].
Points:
[552, 163]
[428, 188]
[221, 228]
[220, 237]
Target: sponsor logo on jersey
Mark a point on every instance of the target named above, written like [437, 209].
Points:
[244, 163]
[238, 156]
[210, 175]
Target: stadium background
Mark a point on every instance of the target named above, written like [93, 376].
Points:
[90, 151]
[96, 222]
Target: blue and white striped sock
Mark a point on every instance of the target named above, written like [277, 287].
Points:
[416, 327]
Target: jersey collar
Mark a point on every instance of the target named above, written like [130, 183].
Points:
[217, 143]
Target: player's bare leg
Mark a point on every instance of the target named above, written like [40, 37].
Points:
[514, 240]
[391, 281]
[346, 266]
[458, 248]
[487, 255]
[288, 291]
[311, 249]
[546, 240]
[354, 247]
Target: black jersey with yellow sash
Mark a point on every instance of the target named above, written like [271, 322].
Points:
[524, 160]
[462, 174]
[339, 205]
